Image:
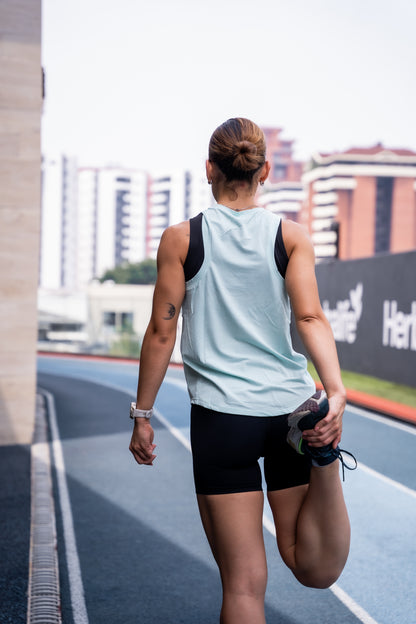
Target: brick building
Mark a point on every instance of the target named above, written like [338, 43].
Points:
[283, 192]
[361, 202]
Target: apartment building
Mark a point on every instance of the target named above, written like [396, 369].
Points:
[361, 202]
[173, 197]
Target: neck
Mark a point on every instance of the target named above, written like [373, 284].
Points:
[240, 204]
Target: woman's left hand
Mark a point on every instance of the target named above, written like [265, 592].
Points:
[329, 429]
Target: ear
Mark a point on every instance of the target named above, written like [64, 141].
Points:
[209, 170]
[265, 170]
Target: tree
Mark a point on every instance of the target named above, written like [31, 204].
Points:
[138, 273]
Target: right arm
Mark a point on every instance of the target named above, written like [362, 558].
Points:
[160, 336]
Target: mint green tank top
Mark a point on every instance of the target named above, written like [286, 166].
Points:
[236, 345]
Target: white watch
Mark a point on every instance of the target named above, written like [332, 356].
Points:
[138, 413]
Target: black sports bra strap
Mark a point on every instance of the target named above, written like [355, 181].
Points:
[280, 254]
[195, 255]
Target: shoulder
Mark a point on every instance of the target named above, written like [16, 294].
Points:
[175, 241]
[296, 237]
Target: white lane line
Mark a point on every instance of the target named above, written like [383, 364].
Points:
[355, 608]
[177, 433]
[360, 613]
[79, 610]
[384, 420]
[387, 480]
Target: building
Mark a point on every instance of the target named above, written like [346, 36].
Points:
[59, 223]
[20, 178]
[284, 199]
[93, 219]
[283, 191]
[361, 202]
[120, 218]
[279, 153]
[173, 197]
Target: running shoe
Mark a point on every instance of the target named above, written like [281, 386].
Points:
[305, 417]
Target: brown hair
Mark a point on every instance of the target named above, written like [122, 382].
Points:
[238, 148]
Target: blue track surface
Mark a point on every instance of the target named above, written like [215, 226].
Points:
[151, 512]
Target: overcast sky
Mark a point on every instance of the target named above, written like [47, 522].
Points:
[144, 83]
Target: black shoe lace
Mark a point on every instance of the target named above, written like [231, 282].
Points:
[339, 453]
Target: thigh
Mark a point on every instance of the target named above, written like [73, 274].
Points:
[225, 450]
[283, 467]
[234, 528]
[286, 506]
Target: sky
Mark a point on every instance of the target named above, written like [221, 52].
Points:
[143, 83]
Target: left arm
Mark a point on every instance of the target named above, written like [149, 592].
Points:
[160, 336]
[315, 332]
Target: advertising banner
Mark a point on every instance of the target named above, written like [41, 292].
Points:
[371, 305]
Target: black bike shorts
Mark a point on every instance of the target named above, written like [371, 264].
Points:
[226, 449]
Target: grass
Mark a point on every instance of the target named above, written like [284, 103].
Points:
[376, 387]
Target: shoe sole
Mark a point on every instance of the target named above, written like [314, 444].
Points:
[305, 417]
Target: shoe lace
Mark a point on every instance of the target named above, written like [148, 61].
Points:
[340, 453]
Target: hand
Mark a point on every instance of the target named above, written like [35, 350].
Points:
[141, 444]
[329, 429]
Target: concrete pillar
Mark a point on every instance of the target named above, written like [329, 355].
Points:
[20, 165]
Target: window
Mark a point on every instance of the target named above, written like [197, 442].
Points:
[109, 319]
[383, 214]
[119, 321]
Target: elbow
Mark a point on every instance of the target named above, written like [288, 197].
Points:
[305, 320]
[163, 338]
[311, 321]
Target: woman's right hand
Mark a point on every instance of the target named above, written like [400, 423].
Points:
[141, 444]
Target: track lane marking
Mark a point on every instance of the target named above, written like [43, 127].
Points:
[79, 610]
[342, 596]
[384, 420]
[387, 480]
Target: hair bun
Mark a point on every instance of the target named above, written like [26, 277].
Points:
[245, 157]
[238, 148]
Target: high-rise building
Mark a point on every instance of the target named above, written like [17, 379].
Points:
[173, 197]
[284, 199]
[283, 192]
[92, 220]
[59, 227]
[87, 209]
[279, 153]
[361, 202]
[121, 207]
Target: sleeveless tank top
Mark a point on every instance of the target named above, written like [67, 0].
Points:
[236, 345]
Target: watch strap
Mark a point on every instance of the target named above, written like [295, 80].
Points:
[139, 413]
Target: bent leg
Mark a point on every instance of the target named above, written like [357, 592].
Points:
[312, 527]
[233, 525]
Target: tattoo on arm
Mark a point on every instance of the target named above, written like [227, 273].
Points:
[170, 313]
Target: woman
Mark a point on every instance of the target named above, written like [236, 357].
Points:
[233, 270]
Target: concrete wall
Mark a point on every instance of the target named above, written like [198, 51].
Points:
[20, 114]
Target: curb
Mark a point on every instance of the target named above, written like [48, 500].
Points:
[381, 405]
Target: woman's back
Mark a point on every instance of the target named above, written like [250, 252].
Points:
[236, 342]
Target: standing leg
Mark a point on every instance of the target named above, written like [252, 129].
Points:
[312, 527]
[233, 525]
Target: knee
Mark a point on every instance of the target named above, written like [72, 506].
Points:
[250, 583]
[318, 579]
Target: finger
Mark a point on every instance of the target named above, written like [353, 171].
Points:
[147, 461]
[143, 456]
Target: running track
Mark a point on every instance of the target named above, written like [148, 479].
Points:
[137, 537]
